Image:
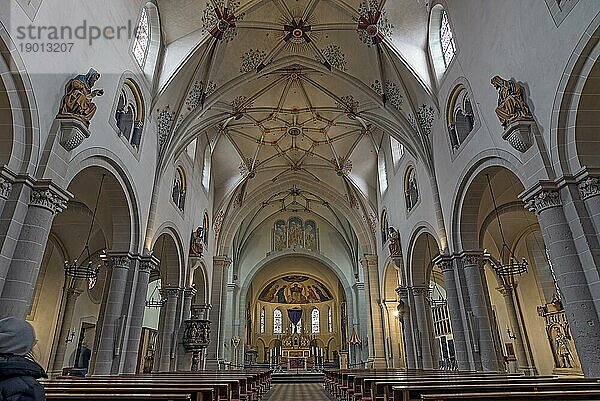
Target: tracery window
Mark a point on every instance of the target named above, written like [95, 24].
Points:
[460, 116]
[206, 168]
[384, 226]
[330, 319]
[179, 184]
[397, 151]
[411, 191]
[314, 319]
[262, 320]
[129, 114]
[383, 180]
[141, 42]
[205, 228]
[447, 39]
[277, 322]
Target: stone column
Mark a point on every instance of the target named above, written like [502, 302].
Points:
[424, 339]
[377, 340]
[455, 310]
[184, 359]
[65, 327]
[480, 306]
[166, 335]
[407, 327]
[146, 265]
[214, 352]
[111, 320]
[580, 310]
[508, 291]
[46, 200]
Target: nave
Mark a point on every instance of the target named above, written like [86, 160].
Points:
[298, 391]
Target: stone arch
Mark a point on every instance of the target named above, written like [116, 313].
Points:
[392, 279]
[571, 129]
[225, 226]
[483, 160]
[168, 248]
[423, 248]
[110, 162]
[19, 121]
[199, 279]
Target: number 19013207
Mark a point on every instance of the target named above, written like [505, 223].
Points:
[37, 47]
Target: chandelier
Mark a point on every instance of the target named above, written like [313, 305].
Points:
[86, 270]
[157, 301]
[435, 297]
[507, 264]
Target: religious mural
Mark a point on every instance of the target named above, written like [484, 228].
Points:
[295, 233]
[295, 290]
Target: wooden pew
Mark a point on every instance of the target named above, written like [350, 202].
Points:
[565, 395]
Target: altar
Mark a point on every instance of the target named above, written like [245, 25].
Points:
[297, 363]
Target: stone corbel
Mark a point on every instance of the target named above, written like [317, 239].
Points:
[520, 134]
[72, 133]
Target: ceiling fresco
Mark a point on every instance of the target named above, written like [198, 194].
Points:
[295, 289]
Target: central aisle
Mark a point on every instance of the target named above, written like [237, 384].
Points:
[298, 392]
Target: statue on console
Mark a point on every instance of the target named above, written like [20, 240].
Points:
[197, 242]
[512, 105]
[394, 245]
[77, 103]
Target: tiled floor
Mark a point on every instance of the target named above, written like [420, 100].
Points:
[298, 392]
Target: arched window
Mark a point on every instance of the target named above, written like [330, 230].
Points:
[205, 227]
[277, 322]
[397, 151]
[129, 114]
[384, 226]
[442, 44]
[314, 319]
[146, 43]
[383, 180]
[206, 168]
[179, 185]
[262, 320]
[330, 319]
[411, 191]
[460, 116]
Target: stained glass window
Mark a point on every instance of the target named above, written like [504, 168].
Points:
[262, 321]
[314, 318]
[330, 319]
[447, 39]
[277, 322]
[142, 39]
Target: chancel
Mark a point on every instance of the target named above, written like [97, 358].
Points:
[300, 199]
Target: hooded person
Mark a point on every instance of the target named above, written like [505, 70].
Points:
[18, 373]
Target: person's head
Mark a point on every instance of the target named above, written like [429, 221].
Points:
[17, 336]
[497, 81]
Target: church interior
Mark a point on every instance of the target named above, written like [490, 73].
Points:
[327, 199]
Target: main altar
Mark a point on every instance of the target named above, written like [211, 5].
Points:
[296, 352]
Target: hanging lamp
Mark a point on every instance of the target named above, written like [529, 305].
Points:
[508, 264]
[86, 270]
[157, 302]
[435, 296]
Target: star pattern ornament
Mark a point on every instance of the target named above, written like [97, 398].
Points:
[373, 24]
[220, 21]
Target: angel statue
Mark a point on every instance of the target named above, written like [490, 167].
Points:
[77, 102]
[511, 101]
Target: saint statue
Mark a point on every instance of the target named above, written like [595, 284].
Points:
[394, 244]
[77, 102]
[197, 242]
[511, 101]
[563, 351]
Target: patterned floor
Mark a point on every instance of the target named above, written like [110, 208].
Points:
[297, 392]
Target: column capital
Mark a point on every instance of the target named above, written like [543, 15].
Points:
[5, 187]
[47, 195]
[168, 291]
[222, 260]
[419, 290]
[472, 258]
[148, 263]
[402, 291]
[542, 198]
[368, 260]
[190, 292]
[589, 188]
[445, 262]
[74, 293]
[118, 260]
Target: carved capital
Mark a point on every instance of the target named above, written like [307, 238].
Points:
[148, 264]
[402, 292]
[545, 199]
[5, 187]
[506, 290]
[169, 292]
[190, 292]
[472, 259]
[589, 187]
[48, 199]
[120, 261]
[368, 260]
[420, 291]
[73, 294]
[221, 261]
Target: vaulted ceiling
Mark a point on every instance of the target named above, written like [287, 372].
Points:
[293, 88]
